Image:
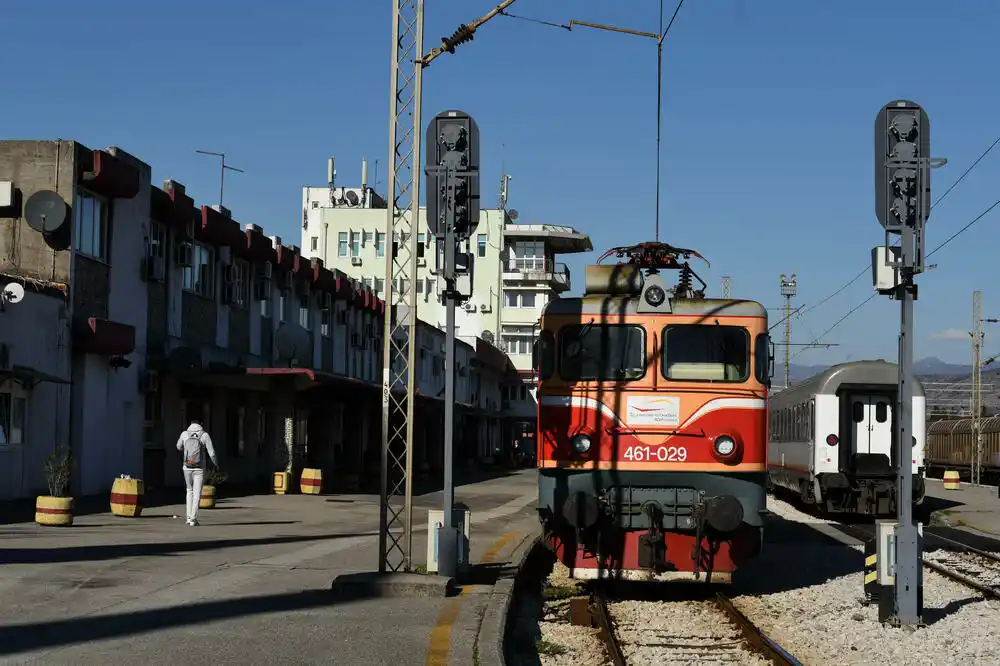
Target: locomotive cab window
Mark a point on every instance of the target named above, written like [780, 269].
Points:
[602, 352]
[544, 356]
[706, 353]
[881, 412]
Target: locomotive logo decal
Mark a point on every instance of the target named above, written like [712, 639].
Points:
[653, 410]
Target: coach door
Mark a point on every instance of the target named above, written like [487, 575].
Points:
[872, 418]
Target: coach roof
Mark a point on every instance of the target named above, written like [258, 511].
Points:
[855, 372]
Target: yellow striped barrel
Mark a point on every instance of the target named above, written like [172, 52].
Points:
[312, 481]
[126, 497]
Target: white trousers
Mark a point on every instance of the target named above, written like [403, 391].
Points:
[194, 479]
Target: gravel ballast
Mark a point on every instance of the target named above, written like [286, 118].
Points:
[816, 612]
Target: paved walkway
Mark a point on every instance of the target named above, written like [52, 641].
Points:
[972, 507]
[251, 585]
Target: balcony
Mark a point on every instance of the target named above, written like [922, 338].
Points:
[529, 269]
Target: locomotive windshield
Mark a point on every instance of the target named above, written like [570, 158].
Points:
[706, 353]
[602, 352]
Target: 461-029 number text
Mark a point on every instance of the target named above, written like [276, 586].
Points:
[655, 454]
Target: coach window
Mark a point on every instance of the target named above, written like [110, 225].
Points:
[602, 352]
[706, 353]
[881, 412]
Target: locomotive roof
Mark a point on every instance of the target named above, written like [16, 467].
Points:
[604, 305]
[854, 372]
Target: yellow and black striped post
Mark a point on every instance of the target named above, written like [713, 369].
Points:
[871, 572]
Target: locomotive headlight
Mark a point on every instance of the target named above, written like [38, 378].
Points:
[724, 445]
[655, 296]
[581, 443]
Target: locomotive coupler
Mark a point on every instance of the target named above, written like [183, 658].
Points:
[653, 545]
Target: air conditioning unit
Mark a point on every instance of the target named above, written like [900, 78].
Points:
[355, 261]
[185, 254]
[469, 307]
[149, 381]
[484, 307]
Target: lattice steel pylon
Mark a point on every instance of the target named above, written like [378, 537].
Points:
[400, 334]
[976, 406]
[727, 286]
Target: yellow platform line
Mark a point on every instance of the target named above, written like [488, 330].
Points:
[440, 646]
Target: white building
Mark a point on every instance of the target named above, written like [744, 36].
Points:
[515, 272]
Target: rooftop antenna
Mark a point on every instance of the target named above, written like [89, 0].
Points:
[364, 181]
[331, 176]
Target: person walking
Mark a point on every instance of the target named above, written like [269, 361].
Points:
[193, 444]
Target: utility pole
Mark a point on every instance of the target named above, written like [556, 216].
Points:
[222, 171]
[727, 284]
[788, 290]
[977, 385]
[903, 205]
[406, 69]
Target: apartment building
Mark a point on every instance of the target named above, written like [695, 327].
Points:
[514, 276]
[144, 310]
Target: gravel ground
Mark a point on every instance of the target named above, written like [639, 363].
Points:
[679, 633]
[543, 633]
[981, 569]
[805, 593]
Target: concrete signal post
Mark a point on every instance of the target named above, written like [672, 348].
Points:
[452, 171]
[902, 206]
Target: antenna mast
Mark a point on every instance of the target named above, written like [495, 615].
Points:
[788, 290]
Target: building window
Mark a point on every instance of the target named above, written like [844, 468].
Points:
[156, 252]
[325, 323]
[529, 256]
[527, 299]
[199, 278]
[379, 244]
[481, 245]
[13, 408]
[305, 311]
[511, 298]
[314, 243]
[517, 339]
[342, 244]
[355, 239]
[367, 238]
[379, 286]
[238, 284]
[90, 222]
[420, 286]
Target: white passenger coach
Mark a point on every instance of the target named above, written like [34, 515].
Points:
[831, 439]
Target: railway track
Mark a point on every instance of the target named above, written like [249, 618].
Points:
[709, 630]
[961, 562]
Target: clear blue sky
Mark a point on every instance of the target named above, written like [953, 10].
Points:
[768, 122]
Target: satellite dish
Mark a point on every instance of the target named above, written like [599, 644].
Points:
[13, 293]
[45, 211]
[352, 197]
[513, 215]
[291, 342]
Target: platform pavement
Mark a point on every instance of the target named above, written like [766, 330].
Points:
[973, 507]
[251, 585]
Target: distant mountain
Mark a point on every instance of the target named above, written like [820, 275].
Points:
[925, 367]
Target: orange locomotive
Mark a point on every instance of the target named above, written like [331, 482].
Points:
[652, 423]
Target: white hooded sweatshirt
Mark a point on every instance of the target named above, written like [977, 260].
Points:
[197, 431]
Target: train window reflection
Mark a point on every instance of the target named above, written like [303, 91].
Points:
[602, 352]
[706, 353]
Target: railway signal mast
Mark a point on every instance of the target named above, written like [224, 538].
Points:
[402, 220]
[903, 205]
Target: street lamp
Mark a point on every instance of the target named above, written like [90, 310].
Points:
[222, 171]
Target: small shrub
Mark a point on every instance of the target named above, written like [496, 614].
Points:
[215, 477]
[59, 471]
